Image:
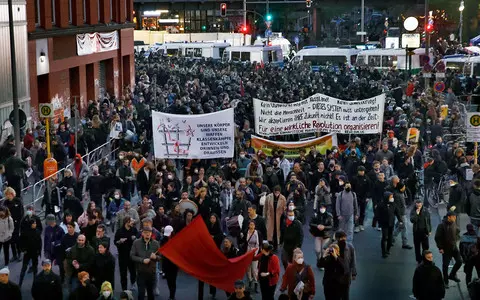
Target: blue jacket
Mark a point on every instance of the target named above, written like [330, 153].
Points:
[113, 208]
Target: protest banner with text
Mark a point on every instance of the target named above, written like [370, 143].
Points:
[319, 113]
[193, 136]
[321, 144]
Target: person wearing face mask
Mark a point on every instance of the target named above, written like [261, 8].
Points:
[422, 228]
[386, 213]
[30, 215]
[446, 238]
[347, 210]
[320, 226]
[116, 204]
[427, 279]
[291, 237]
[95, 186]
[47, 284]
[86, 290]
[106, 291]
[295, 273]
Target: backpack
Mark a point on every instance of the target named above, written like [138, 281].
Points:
[468, 247]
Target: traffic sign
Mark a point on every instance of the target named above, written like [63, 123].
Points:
[23, 118]
[268, 23]
[361, 33]
[268, 33]
[46, 110]
[427, 68]
[473, 127]
[296, 39]
[439, 86]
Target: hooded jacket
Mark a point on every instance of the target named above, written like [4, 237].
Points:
[428, 282]
[386, 213]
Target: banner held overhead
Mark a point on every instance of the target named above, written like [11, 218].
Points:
[194, 136]
[321, 144]
[319, 113]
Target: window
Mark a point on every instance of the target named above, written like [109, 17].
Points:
[361, 60]
[353, 59]
[235, 56]
[455, 66]
[84, 11]
[53, 12]
[70, 11]
[388, 61]
[37, 13]
[245, 56]
[111, 10]
[476, 70]
[98, 10]
[374, 60]
[324, 60]
[272, 56]
[172, 52]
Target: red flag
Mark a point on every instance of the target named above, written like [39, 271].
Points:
[242, 90]
[194, 251]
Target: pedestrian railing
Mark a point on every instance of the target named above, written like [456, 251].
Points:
[34, 193]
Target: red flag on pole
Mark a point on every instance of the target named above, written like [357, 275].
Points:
[194, 251]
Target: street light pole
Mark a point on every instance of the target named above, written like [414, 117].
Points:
[13, 59]
[460, 33]
[362, 24]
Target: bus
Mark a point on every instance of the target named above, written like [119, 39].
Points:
[204, 50]
[259, 54]
[391, 58]
[463, 64]
[320, 57]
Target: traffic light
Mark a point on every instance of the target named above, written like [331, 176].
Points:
[269, 17]
[429, 28]
[204, 27]
[244, 28]
[308, 3]
[223, 9]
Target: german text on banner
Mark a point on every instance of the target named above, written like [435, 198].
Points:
[193, 136]
[319, 113]
[194, 251]
[321, 144]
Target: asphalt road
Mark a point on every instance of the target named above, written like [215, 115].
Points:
[377, 278]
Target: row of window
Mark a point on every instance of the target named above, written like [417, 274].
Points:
[70, 10]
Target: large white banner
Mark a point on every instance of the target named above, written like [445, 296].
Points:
[193, 136]
[88, 43]
[319, 113]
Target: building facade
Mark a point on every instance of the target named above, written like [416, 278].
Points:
[77, 51]
[21, 52]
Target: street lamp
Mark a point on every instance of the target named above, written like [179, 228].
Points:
[461, 8]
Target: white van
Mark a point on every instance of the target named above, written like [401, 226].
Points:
[466, 65]
[320, 57]
[167, 49]
[259, 54]
[204, 50]
[388, 58]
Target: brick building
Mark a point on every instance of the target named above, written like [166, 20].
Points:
[78, 49]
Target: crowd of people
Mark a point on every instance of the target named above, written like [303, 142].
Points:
[328, 193]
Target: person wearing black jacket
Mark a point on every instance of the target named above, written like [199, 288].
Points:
[379, 188]
[422, 228]
[361, 185]
[15, 206]
[124, 238]
[320, 226]
[334, 275]
[86, 290]
[446, 237]
[31, 245]
[47, 285]
[168, 267]
[213, 226]
[260, 224]
[145, 178]
[67, 242]
[427, 279]
[103, 268]
[95, 186]
[386, 213]
[399, 196]
[291, 237]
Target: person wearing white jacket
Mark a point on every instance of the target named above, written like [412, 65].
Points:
[6, 231]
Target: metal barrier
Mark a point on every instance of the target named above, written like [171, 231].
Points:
[91, 159]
